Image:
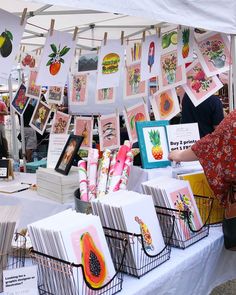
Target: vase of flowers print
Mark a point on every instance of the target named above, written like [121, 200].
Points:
[214, 50]
[134, 79]
[186, 211]
[169, 65]
[199, 81]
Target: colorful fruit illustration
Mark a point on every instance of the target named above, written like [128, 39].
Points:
[6, 39]
[151, 54]
[93, 261]
[28, 60]
[157, 152]
[185, 39]
[147, 238]
[166, 104]
[169, 38]
[135, 118]
[56, 59]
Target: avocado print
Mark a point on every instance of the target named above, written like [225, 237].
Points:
[6, 39]
[56, 59]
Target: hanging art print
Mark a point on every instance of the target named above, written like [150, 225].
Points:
[20, 101]
[105, 95]
[110, 62]
[133, 52]
[171, 75]
[165, 104]
[185, 44]
[40, 117]
[136, 113]
[56, 59]
[78, 89]
[213, 51]
[199, 87]
[134, 87]
[84, 127]
[11, 32]
[61, 123]
[87, 63]
[109, 131]
[55, 95]
[28, 60]
[150, 60]
[33, 90]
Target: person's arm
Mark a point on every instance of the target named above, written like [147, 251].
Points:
[182, 156]
[4, 111]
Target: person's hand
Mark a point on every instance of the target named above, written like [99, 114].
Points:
[175, 156]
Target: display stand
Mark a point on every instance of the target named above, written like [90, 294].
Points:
[204, 205]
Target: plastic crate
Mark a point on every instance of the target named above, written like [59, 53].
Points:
[31, 167]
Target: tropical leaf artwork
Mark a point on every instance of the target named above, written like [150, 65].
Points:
[56, 59]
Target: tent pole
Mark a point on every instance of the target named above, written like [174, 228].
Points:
[22, 131]
[15, 149]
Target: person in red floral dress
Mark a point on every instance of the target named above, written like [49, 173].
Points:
[217, 154]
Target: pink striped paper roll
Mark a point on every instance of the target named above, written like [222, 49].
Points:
[83, 182]
[92, 173]
[126, 171]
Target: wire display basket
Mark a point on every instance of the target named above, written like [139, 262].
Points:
[14, 258]
[138, 261]
[59, 277]
[184, 233]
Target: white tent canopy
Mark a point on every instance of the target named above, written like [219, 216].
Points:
[215, 15]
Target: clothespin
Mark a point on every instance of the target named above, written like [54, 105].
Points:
[23, 16]
[117, 112]
[105, 39]
[80, 52]
[179, 27]
[122, 37]
[126, 109]
[52, 26]
[75, 33]
[144, 100]
[144, 35]
[23, 48]
[159, 32]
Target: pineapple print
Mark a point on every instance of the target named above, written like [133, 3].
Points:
[147, 238]
[185, 38]
[157, 151]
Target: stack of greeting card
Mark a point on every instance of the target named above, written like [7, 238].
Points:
[77, 238]
[8, 219]
[134, 213]
[176, 194]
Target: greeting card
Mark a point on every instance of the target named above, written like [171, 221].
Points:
[78, 94]
[84, 127]
[150, 60]
[33, 90]
[213, 51]
[110, 62]
[61, 123]
[40, 117]
[56, 59]
[109, 131]
[199, 87]
[105, 95]
[55, 95]
[165, 104]
[20, 101]
[87, 63]
[137, 112]
[134, 87]
[185, 44]
[11, 32]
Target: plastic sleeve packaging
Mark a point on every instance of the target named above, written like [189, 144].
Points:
[103, 175]
[126, 171]
[92, 173]
[118, 167]
[82, 164]
[111, 169]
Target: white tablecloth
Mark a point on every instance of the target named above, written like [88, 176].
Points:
[195, 270]
[34, 207]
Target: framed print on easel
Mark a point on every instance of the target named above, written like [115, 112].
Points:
[153, 143]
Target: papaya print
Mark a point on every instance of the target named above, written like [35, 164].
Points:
[56, 59]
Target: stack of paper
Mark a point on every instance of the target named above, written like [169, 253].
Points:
[8, 219]
[77, 238]
[134, 213]
[176, 194]
[55, 186]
